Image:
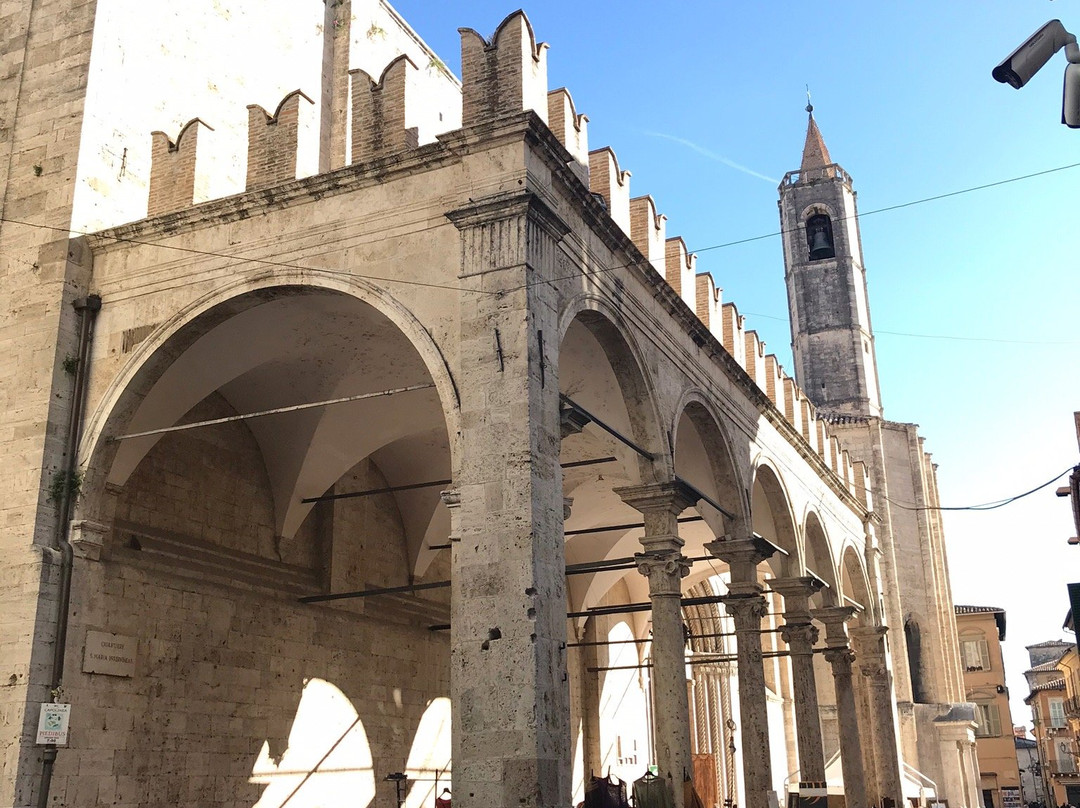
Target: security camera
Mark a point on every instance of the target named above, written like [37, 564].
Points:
[1025, 61]
[1070, 100]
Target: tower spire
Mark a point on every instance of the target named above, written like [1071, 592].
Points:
[815, 154]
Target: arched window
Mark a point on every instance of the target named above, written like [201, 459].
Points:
[914, 652]
[819, 237]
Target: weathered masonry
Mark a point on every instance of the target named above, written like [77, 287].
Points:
[401, 450]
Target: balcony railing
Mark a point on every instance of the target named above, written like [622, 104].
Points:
[1072, 707]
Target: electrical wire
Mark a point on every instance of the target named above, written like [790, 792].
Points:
[899, 206]
[878, 331]
[986, 506]
[240, 259]
[782, 232]
[288, 265]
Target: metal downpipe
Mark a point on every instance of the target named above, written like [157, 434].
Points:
[88, 307]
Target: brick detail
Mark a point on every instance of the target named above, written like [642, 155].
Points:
[648, 231]
[172, 169]
[568, 126]
[272, 142]
[505, 76]
[612, 183]
[379, 112]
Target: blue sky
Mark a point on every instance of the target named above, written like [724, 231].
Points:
[703, 103]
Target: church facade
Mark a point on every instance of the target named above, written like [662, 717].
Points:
[382, 447]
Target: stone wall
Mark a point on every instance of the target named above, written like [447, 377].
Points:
[194, 574]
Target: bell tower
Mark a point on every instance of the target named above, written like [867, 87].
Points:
[831, 338]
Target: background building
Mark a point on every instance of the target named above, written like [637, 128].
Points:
[1032, 787]
[1056, 744]
[980, 630]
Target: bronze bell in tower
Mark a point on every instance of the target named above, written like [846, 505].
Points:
[819, 237]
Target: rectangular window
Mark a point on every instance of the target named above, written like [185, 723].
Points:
[1057, 713]
[975, 655]
[988, 720]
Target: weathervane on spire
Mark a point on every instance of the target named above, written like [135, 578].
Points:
[809, 106]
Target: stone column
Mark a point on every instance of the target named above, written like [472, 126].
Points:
[870, 644]
[590, 702]
[840, 656]
[663, 563]
[800, 634]
[747, 607]
[508, 677]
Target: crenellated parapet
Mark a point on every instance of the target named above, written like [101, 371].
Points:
[172, 169]
[709, 304]
[613, 184]
[379, 112]
[733, 336]
[648, 231]
[571, 129]
[272, 142]
[681, 270]
[503, 76]
[774, 381]
[754, 357]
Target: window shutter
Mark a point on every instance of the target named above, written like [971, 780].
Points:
[1057, 713]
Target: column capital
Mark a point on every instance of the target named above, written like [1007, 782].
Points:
[876, 672]
[800, 636]
[797, 593]
[664, 569]
[742, 555]
[802, 586]
[835, 616]
[671, 497]
[841, 659]
[835, 619]
[746, 608]
[660, 505]
[870, 635]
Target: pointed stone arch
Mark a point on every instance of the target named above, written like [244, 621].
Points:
[818, 555]
[773, 518]
[238, 343]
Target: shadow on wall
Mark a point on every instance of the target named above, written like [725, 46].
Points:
[328, 757]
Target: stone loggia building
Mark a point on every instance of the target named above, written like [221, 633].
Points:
[408, 341]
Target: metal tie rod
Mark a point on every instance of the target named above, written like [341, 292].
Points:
[609, 429]
[275, 411]
[431, 484]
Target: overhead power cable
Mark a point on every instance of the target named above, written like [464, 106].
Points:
[289, 265]
[781, 232]
[878, 331]
[986, 506]
[237, 258]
